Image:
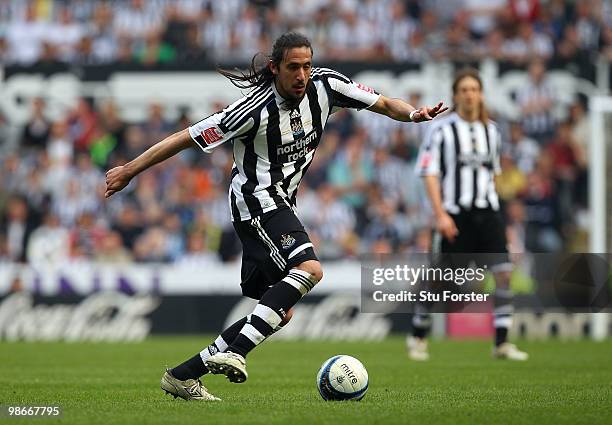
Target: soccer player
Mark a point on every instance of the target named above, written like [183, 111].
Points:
[458, 160]
[275, 130]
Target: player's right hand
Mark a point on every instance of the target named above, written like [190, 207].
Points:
[116, 179]
[447, 227]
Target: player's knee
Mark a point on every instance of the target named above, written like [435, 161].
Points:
[305, 276]
[313, 267]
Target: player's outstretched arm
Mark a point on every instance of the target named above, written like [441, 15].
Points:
[403, 111]
[117, 178]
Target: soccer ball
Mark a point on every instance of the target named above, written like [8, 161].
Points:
[342, 378]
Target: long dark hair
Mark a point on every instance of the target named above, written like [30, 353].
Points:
[471, 73]
[259, 72]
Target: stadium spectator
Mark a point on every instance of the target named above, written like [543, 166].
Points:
[84, 52]
[65, 34]
[568, 47]
[246, 33]
[105, 40]
[388, 225]
[482, 15]
[60, 148]
[588, 22]
[354, 38]
[399, 32]
[197, 253]
[151, 246]
[319, 28]
[137, 19]
[351, 172]
[527, 44]
[128, 223]
[458, 45]
[17, 223]
[567, 161]
[156, 126]
[536, 99]
[431, 29]
[82, 124]
[111, 250]
[525, 10]
[542, 218]
[190, 48]
[49, 243]
[154, 50]
[36, 130]
[25, 37]
[523, 150]
[332, 221]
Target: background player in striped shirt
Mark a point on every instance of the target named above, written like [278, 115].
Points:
[458, 161]
[275, 130]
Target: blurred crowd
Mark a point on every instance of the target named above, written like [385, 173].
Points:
[360, 194]
[154, 32]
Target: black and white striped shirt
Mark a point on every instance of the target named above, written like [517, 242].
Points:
[466, 156]
[274, 146]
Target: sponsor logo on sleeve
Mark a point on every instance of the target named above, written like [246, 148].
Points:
[365, 88]
[425, 160]
[211, 135]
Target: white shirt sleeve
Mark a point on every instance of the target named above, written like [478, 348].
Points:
[212, 132]
[345, 93]
[428, 160]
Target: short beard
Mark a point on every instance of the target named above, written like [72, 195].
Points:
[293, 103]
[289, 104]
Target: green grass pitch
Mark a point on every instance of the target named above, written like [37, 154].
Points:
[562, 383]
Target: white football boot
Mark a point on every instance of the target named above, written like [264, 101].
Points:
[232, 365]
[190, 389]
[509, 351]
[417, 349]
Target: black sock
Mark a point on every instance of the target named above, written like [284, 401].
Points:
[420, 332]
[501, 336]
[192, 368]
[421, 322]
[279, 298]
[243, 345]
[232, 332]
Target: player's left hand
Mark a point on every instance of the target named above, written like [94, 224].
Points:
[116, 179]
[427, 114]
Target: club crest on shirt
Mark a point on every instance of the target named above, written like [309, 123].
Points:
[296, 123]
[287, 241]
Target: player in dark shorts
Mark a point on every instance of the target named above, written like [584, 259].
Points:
[275, 130]
[458, 161]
